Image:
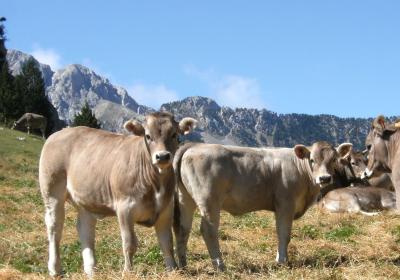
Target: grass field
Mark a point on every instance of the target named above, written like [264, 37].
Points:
[324, 246]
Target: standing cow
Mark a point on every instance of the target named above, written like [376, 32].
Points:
[240, 180]
[106, 174]
[32, 121]
[383, 142]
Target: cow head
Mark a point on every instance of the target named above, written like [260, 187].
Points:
[377, 144]
[357, 163]
[15, 124]
[324, 159]
[160, 132]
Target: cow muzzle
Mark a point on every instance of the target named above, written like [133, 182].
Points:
[324, 180]
[162, 159]
[366, 174]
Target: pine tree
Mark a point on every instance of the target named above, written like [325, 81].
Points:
[86, 118]
[8, 101]
[3, 50]
[31, 94]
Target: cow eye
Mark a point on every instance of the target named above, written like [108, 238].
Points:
[174, 135]
[148, 138]
[312, 161]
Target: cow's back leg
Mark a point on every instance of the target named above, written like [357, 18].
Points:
[86, 227]
[53, 190]
[183, 218]
[129, 240]
[210, 215]
[284, 215]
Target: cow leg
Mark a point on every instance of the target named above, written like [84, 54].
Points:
[86, 229]
[284, 221]
[129, 240]
[54, 219]
[29, 129]
[183, 218]
[163, 227]
[209, 229]
[43, 133]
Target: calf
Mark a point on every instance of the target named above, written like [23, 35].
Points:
[364, 200]
[32, 121]
[106, 174]
[383, 142]
[240, 180]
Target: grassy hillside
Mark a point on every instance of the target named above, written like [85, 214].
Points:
[323, 246]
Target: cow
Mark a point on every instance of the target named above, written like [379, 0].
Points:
[383, 142]
[238, 180]
[32, 121]
[107, 174]
[358, 162]
[364, 200]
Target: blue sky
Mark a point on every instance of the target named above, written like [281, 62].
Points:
[332, 57]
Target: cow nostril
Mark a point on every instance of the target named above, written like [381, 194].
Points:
[167, 156]
[157, 157]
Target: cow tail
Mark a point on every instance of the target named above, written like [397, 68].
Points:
[178, 183]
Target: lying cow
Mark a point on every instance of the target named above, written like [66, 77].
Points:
[240, 180]
[364, 200]
[106, 174]
[32, 121]
[384, 152]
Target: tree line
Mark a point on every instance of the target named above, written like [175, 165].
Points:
[26, 93]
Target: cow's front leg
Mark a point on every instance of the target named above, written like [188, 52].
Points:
[284, 221]
[129, 241]
[209, 230]
[163, 229]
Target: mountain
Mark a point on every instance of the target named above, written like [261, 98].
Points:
[75, 84]
[70, 87]
[252, 127]
[17, 58]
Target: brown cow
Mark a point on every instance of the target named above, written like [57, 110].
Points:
[105, 174]
[32, 121]
[239, 180]
[384, 155]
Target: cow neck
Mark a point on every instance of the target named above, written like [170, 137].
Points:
[393, 147]
[305, 168]
[152, 176]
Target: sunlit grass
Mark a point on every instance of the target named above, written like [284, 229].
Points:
[323, 246]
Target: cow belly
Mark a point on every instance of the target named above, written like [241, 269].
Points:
[92, 202]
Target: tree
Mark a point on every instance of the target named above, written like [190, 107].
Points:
[8, 101]
[86, 118]
[3, 50]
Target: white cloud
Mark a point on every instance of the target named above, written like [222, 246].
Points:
[152, 95]
[230, 90]
[47, 56]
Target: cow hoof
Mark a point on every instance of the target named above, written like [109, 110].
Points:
[219, 265]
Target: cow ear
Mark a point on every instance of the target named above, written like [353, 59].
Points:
[379, 124]
[134, 127]
[186, 125]
[344, 150]
[301, 151]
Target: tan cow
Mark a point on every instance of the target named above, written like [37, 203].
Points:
[364, 200]
[384, 155]
[106, 174]
[240, 180]
[32, 121]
